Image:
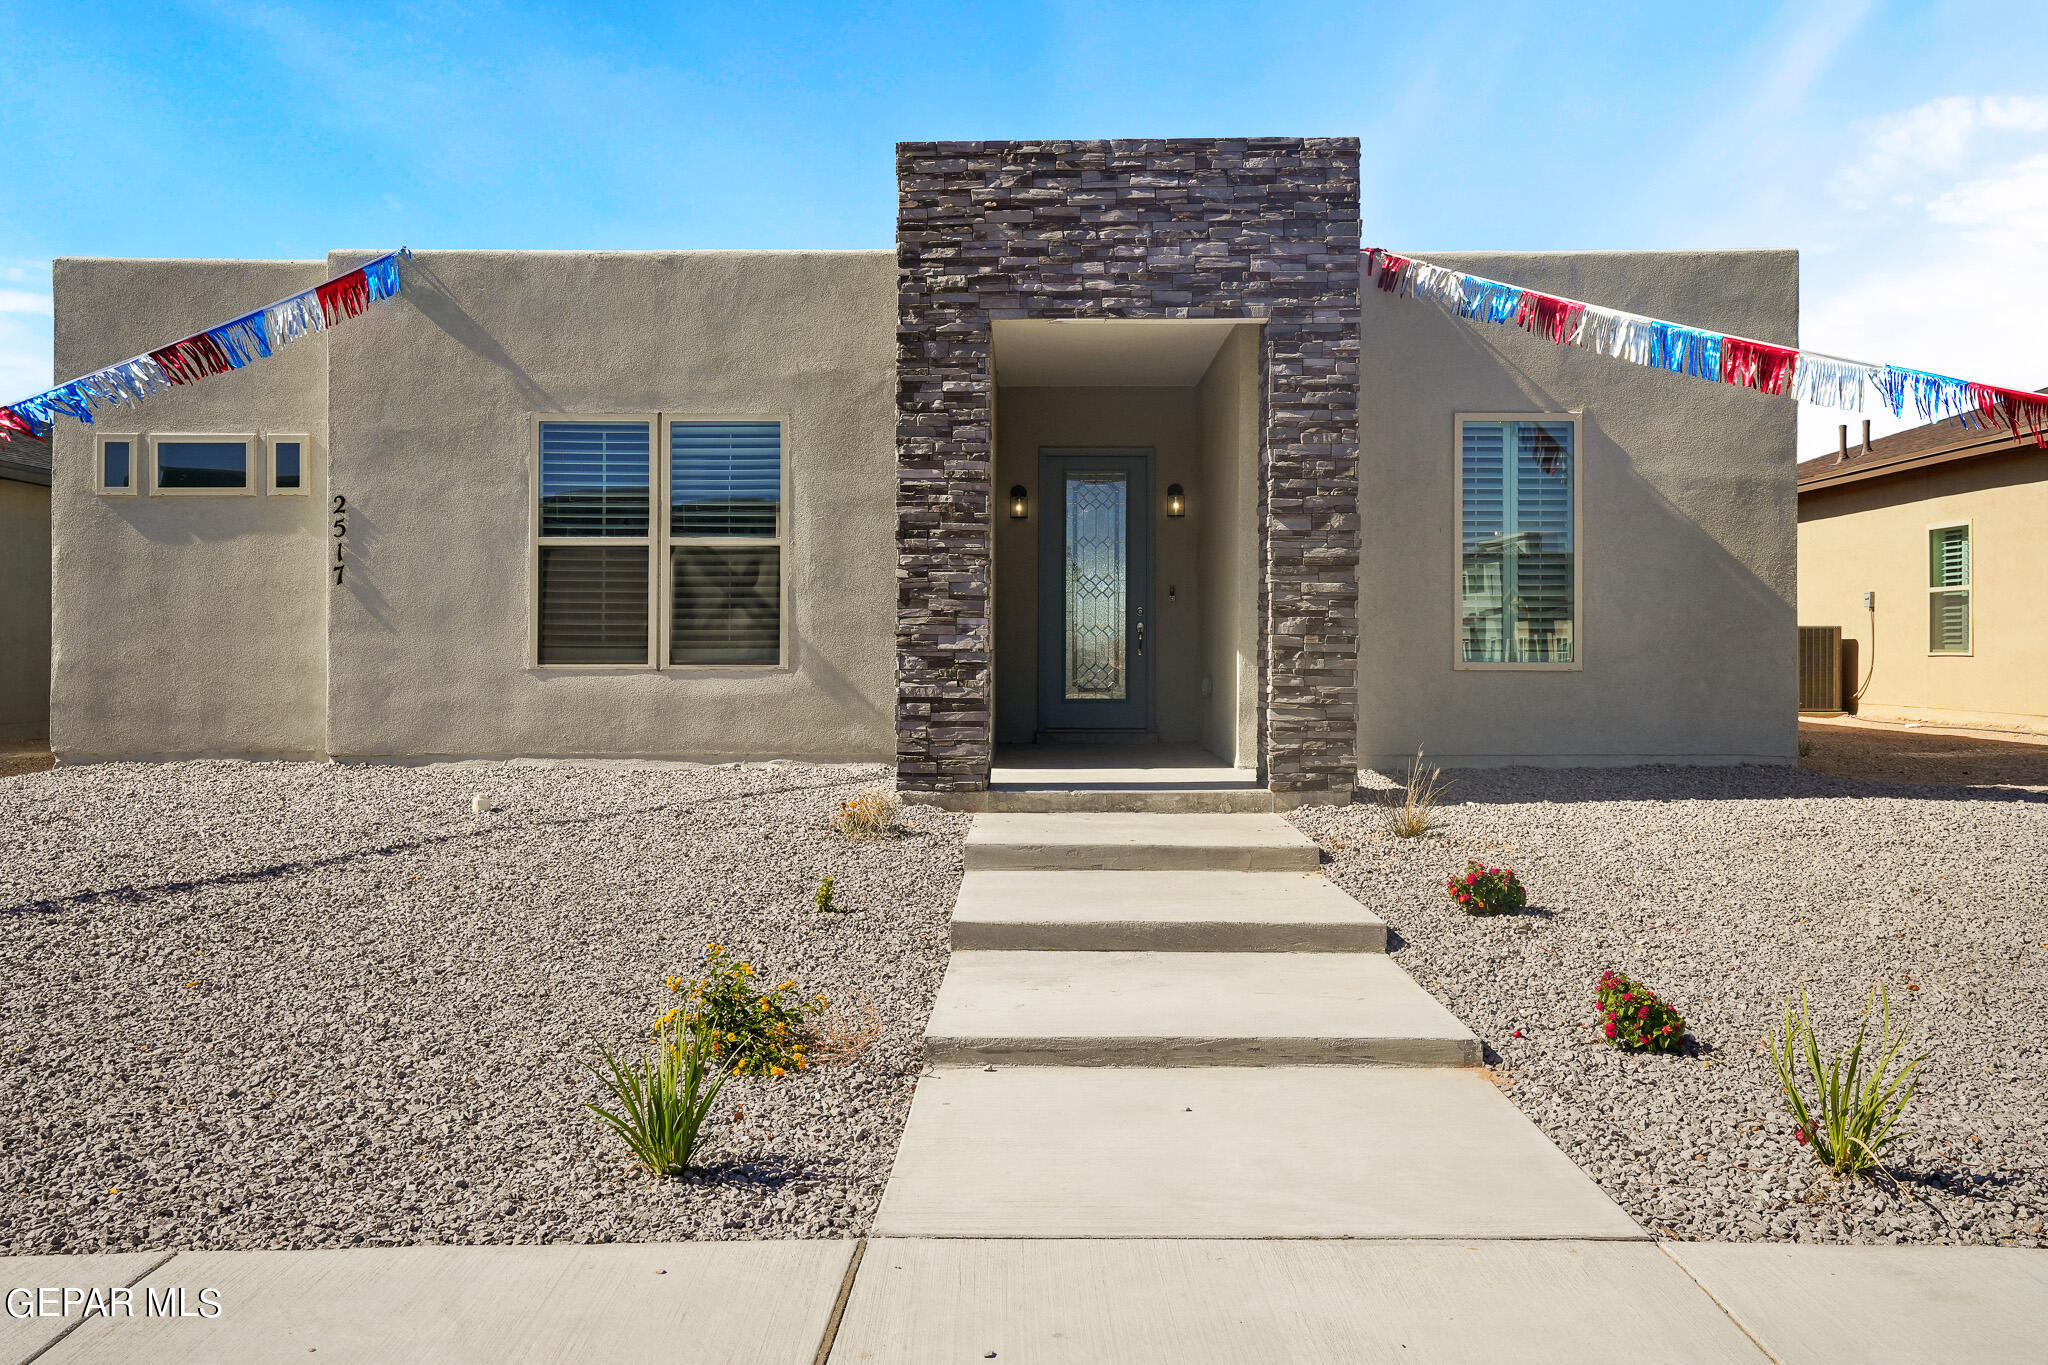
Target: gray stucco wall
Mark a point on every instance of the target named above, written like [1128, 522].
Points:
[433, 398]
[24, 609]
[1688, 524]
[185, 625]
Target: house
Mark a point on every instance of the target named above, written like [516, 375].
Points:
[1113, 445]
[1925, 548]
[24, 590]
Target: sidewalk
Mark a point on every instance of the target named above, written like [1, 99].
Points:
[1053, 1302]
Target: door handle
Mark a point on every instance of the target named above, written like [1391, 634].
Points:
[1141, 639]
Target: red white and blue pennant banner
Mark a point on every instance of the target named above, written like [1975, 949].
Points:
[1810, 376]
[230, 346]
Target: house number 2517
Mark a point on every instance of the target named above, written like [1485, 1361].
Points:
[340, 511]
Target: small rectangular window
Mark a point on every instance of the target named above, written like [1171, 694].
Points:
[288, 472]
[117, 466]
[595, 544]
[725, 542]
[1948, 590]
[1518, 553]
[201, 464]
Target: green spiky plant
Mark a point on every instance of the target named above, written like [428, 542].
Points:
[663, 1099]
[1849, 1117]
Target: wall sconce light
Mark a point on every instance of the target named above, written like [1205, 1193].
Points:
[1176, 501]
[1020, 503]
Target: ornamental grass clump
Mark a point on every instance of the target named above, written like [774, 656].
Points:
[867, 816]
[663, 1098]
[756, 1032]
[1410, 810]
[1632, 1017]
[1487, 890]
[1844, 1111]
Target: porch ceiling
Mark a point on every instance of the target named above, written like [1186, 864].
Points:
[1044, 353]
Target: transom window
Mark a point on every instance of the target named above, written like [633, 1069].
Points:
[1517, 550]
[1948, 589]
[620, 584]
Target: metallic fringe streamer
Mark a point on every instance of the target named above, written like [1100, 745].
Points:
[229, 346]
[14, 424]
[343, 297]
[299, 315]
[1934, 396]
[1831, 383]
[382, 277]
[1757, 365]
[193, 359]
[1684, 350]
[242, 340]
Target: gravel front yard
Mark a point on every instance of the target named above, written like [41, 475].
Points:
[300, 1005]
[1727, 891]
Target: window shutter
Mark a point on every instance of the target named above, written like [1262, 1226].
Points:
[725, 479]
[727, 604]
[1948, 613]
[593, 604]
[1484, 520]
[593, 478]
[1949, 557]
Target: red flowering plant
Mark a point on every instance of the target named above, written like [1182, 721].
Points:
[1487, 890]
[1632, 1017]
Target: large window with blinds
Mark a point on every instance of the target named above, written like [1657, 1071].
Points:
[1518, 563]
[1948, 589]
[621, 581]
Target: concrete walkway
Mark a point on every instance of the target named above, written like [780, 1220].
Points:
[1175, 1026]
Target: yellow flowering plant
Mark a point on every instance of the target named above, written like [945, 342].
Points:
[756, 1031]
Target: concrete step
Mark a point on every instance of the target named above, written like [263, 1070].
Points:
[1232, 1151]
[1130, 800]
[1138, 842]
[1188, 1009]
[1230, 912]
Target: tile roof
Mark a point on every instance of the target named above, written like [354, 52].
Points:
[23, 458]
[1934, 443]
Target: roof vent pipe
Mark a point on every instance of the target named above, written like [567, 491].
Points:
[1866, 436]
[1842, 451]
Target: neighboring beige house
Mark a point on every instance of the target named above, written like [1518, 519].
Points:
[1113, 445]
[1928, 550]
[24, 590]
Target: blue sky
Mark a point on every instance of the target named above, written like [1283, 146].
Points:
[1902, 148]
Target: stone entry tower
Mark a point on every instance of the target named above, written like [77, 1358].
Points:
[1259, 229]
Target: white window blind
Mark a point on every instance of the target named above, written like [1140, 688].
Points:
[595, 543]
[725, 543]
[1948, 596]
[593, 604]
[593, 478]
[725, 478]
[1517, 543]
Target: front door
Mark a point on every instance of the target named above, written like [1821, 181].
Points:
[1095, 590]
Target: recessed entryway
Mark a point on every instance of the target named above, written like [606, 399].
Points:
[1127, 550]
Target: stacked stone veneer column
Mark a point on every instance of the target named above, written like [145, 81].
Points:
[1256, 228]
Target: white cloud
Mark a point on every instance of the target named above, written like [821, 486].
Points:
[24, 301]
[1935, 139]
[2014, 201]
